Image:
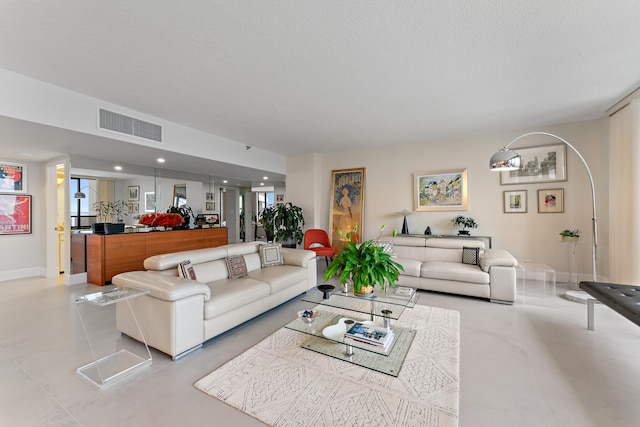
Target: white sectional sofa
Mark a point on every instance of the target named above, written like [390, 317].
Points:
[179, 314]
[435, 264]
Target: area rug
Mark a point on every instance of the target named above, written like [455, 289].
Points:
[282, 384]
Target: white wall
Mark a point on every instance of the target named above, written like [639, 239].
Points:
[24, 255]
[528, 236]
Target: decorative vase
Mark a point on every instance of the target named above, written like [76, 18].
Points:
[463, 233]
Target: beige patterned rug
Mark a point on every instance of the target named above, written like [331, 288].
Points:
[282, 384]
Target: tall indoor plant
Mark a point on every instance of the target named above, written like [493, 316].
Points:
[366, 264]
[287, 223]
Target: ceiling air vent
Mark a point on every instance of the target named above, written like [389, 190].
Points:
[128, 125]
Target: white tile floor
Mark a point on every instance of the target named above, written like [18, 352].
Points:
[532, 364]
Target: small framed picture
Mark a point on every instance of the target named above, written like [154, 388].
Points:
[135, 208]
[209, 206]
[13, 177]
[551, 201]
[279, 198]
[515, 201]
[134, 193]
[209, 196]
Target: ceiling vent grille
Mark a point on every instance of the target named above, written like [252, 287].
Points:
[128, 125]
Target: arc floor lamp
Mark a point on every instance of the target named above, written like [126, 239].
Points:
[506, 159]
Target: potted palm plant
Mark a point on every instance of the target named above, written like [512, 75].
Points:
[366, 264]
[287, 224]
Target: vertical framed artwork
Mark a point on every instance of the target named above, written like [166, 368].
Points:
[546, 163]
[13, 177]
[209, 206]
[134, 193]
[551, 201]
[515, 201]
[150, 201]
[440, 191]
[347, 205]
[179, 195]
[15, 214]
[279, 198]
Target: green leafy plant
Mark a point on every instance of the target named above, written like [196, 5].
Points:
[266, 218]
[287, 223]
[103, 210]
[185, 212]
[464, 222]
[366, 264]
[118, 210]
[570, 233]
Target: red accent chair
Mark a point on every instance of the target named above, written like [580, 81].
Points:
[317, 240]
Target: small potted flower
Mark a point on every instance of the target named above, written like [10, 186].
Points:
[570, 235]
[464, 222]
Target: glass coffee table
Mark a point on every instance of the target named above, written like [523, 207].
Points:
[327, 330]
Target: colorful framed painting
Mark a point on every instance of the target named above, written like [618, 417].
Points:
[551, 201]
[546, 163]
[150, 201]
[13, 177]
[134, 193]
[15, 214]
[440, 191]
[515, 201]
[347, 205]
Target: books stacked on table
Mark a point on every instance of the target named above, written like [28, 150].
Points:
[369, 337]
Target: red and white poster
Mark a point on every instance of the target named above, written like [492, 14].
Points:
[15, 214]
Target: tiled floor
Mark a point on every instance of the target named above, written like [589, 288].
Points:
[532, 364]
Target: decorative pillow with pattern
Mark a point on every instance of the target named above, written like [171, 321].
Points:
[270, 255]
[236, 266]
[186, 271]
[387, 247]
[470, 255]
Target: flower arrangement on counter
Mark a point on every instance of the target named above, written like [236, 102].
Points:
[162, 220]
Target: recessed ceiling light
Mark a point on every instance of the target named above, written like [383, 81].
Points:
[265, 177]
[118, 168]
[224, 181]
[160, 160]
[262, 183]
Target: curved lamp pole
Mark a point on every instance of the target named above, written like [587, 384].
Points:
[507, 159]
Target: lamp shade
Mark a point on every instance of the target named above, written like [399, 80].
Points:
[80, 195]
[505, 160]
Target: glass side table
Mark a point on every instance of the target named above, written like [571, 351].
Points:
[105, 370]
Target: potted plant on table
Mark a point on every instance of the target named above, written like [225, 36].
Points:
[570, 235]
[366, 264]
[185, 212]
[464, 222]
[106, 213]
[266, 218]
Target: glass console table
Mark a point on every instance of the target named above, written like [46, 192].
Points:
[112, 367]
[379, 309]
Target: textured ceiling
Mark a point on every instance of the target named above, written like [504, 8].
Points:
[316, 76]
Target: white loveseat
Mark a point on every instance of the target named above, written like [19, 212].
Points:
[435, 264]
[178, 314]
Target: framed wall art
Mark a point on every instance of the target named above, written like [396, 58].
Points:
[546, 163]
[209, 206]
[347, 205]
[13, 177]
[179, 195]
[150, 201]
[515, 201]
[134, 193]
[15, 214]
[551, 201]
[440, 191]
